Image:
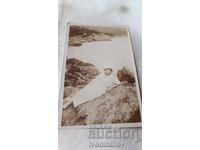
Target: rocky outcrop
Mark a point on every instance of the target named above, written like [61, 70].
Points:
[118, 105]
[125, 74]
[81, 31]
[74, 42]
[79, 73]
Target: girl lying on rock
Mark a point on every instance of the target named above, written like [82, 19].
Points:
[97, 87]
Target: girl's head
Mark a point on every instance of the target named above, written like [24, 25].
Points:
[108, 71]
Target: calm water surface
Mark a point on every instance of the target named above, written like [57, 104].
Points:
[115, 54]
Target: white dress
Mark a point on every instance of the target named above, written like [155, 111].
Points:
[95, 88]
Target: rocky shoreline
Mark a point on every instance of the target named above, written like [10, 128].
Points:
[78, 35]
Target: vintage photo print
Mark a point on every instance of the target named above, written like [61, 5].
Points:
[100, 84]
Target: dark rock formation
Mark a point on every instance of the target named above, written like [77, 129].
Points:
[74, 43]
[79, 73]
[125, 74]
[81, 31]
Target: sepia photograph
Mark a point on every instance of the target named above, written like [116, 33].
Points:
[100, 84]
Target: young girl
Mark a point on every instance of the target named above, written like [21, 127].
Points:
[98, 86]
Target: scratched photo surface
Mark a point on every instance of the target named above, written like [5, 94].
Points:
[100, 79]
